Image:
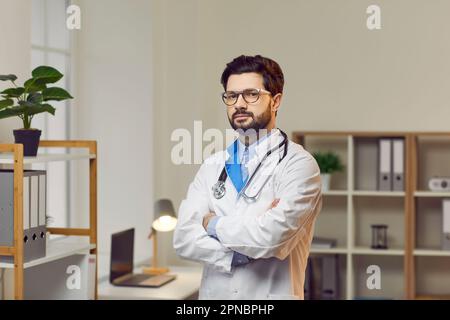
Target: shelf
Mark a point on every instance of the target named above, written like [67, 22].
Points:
[431, 253]
[335, 193]
[431, 194]
[377, 252]
[6, 158]
[378, 193]
[329, 250]
[57, 249]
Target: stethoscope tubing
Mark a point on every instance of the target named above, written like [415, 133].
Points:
[224, 175]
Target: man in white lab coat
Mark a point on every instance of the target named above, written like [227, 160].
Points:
[249, 213]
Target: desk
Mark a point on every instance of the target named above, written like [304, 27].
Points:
[183, 287]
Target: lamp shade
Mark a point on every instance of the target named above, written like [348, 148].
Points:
[164, 216]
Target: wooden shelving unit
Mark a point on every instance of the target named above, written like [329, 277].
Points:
[347, 212]
[77, 241]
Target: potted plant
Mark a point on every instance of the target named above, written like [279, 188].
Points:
[29, 100]
[328, 162]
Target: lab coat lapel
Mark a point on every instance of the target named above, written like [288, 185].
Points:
[261, 150]
[268, 165]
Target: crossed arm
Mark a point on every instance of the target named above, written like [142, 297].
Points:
[271, 234]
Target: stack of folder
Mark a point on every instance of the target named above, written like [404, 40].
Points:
[322, 278]
[323, 243]
[391, 164]
[34, 213]
[446, 224]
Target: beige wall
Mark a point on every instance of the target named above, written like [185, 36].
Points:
[339, 75]
[15, 52]
[113, 105]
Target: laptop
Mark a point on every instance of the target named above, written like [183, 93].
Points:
[121, 269]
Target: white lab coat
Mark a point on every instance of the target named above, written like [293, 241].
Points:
[278, 239]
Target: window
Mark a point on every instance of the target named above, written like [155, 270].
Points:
[51, 45]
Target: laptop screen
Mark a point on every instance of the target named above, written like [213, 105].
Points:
[122, 246]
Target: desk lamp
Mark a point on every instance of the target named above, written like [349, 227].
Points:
[164, 221]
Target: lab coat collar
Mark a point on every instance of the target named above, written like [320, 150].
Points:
[261, 149]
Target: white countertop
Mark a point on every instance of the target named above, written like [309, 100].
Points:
[185, 285]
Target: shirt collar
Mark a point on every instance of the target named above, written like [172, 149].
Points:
[259, 147]
[251, 147]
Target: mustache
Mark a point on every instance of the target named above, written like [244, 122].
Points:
[238, 113]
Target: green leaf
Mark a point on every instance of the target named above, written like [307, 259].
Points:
[6, 103]
[35, 98]
[36, 109]
[328, 162]
[31, 108]
[10, 77]
[46, 74]
[13, 92]
[11, 112]
[46, 107]
[56, 93]
[34, 85]
[27, 104]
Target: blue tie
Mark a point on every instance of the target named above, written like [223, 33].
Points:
[244, 169]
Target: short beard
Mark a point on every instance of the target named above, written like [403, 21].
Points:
[258, 123]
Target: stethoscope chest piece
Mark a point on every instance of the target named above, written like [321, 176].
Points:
[219, 189]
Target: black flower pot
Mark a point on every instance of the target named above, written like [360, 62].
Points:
[30, 140]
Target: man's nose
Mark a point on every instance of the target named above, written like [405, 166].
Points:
[240, 103]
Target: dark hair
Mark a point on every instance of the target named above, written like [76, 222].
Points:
[273, 78]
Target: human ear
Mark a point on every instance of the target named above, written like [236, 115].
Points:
[276, 101]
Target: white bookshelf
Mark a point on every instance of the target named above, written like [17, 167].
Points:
[431, 253]
[346, 217]
[413, 266]
[335, 193]
[329, 250]
[365, 193]
[66, 247]
[377, 252]
[431, 194]
[58, 248]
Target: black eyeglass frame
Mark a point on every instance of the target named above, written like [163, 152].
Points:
[238, 93]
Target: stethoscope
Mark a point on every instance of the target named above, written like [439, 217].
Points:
[219, 187]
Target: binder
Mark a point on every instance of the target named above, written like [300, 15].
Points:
[6, 210]
[26, 203]
[308, 295]
[398, 164]
[330, 283]
[34, 206]
[42, 200]
[34, 202]
[384, 165]
[446, 224]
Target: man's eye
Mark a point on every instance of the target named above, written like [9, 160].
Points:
[251, 93]
[231, 95]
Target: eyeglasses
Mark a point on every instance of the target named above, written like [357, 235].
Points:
[250, 96]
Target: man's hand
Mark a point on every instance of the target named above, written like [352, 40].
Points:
[274, 203]
[207, 218]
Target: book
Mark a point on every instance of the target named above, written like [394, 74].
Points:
[323, 243]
